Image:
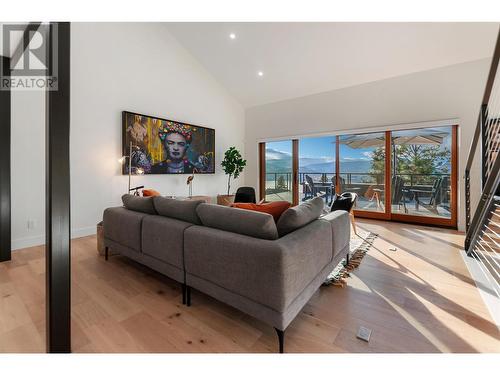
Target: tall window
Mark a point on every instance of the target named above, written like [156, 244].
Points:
[278, 179]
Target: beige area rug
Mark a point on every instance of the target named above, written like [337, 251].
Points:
[359, 246]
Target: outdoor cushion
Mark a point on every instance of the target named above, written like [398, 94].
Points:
[236, 220]
[184, 210]
[298, 216]
[139, 204]
[273, 208]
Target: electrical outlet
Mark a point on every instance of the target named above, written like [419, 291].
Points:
[31, 224]
[364, 334]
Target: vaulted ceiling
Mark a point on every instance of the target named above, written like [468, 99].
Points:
[299, 59]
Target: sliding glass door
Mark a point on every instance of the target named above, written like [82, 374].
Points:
[363, 169]
[423, 174]
[401, 175]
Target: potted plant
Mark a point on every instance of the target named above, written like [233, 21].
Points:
[233, 164]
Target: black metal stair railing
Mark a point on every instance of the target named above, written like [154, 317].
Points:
[482, 239]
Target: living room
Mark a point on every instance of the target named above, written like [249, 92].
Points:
[243, 187]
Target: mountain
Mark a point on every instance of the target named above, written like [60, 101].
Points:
[346, 166]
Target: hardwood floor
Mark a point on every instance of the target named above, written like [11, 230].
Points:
[419, 298]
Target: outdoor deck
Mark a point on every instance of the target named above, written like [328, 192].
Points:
[280, 189]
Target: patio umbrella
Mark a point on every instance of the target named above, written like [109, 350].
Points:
[420, 139]
[425, 137]
[363, 141]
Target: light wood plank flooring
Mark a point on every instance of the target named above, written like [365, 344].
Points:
[419, 298]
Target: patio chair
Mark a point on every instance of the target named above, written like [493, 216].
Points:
[307, 188]
[399, 192]
[312, 189]
[430, 199]
[342, 185]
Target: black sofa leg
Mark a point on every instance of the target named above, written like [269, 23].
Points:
[188, 295]
[106, 253]
[347, 259]
[281, 339]
[183, 294]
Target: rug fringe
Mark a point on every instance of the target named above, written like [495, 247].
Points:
[338, 276]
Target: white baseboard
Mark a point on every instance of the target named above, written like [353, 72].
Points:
[22, 243]
[83, 232]
[25, 242]
[488, 289]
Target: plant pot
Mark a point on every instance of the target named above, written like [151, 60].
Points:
[225, 200]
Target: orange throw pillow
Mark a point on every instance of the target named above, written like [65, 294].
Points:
[150, 193]
[273, 208]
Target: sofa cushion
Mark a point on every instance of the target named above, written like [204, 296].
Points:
[236, 220]
[298, 216]
[272, 208]
[139, 204]
[163, 239]
[184, 210]
[123, 226]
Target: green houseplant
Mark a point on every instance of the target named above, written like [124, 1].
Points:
[233, 164]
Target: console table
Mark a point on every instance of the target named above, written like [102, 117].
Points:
[204, 198]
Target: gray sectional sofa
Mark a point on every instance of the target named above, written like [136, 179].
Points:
[242, 258]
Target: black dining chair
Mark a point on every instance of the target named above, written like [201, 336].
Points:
[245, 194]
[345, 202]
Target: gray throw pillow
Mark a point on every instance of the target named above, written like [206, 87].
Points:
[299, 216]
[140, 204]
[236, 220]
[184, 210]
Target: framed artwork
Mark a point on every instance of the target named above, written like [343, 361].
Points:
[161, 146]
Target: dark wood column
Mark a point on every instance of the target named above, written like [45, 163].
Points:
[58, 266]
[262, 171]
[5, 192]
[295, 172]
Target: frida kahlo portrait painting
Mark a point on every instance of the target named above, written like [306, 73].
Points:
[162, 146]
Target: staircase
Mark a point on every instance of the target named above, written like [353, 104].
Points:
[482, 240]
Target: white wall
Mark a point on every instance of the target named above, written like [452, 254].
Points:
[28, 168]
[138, 67]
[451, 92]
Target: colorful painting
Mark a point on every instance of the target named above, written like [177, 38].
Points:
[162, 146]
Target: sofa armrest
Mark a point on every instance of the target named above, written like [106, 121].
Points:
[341, 230]
[123, 226]
[269, 272]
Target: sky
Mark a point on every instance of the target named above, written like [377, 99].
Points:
[316, 150]
[322, 149]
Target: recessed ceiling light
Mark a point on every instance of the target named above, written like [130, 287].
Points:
[232, 36]
[260, 74]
